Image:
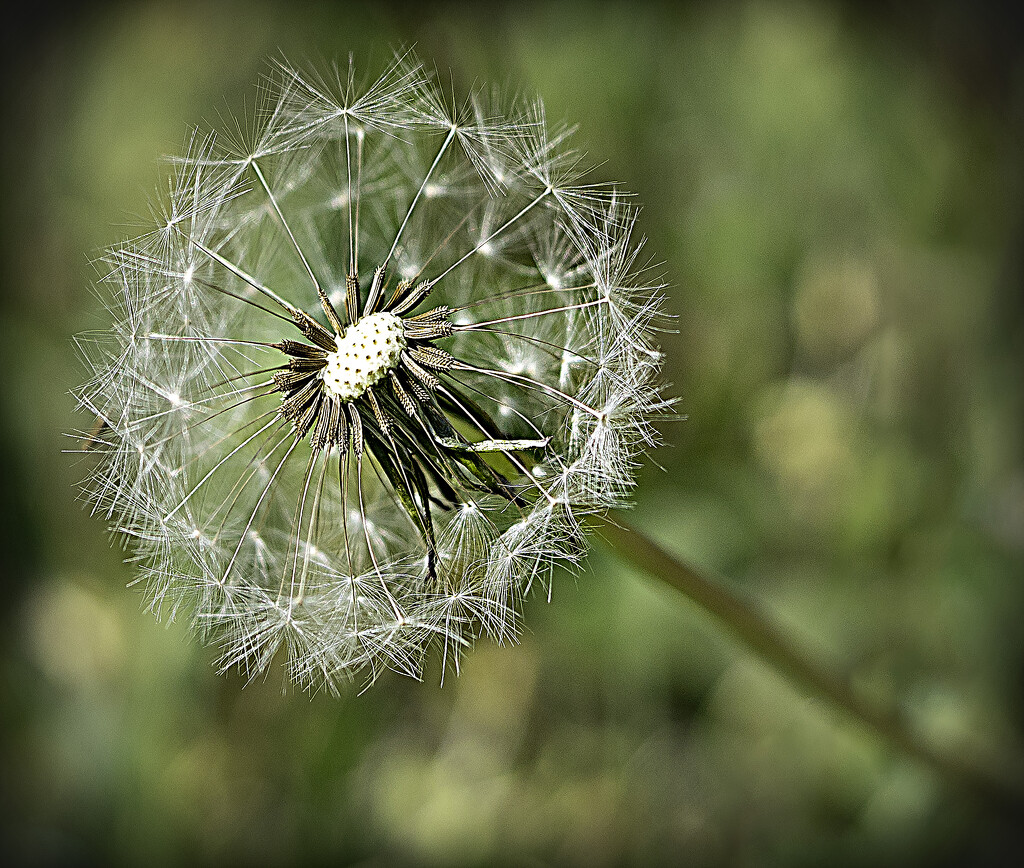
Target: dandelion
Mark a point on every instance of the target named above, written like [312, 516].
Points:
[381, 354]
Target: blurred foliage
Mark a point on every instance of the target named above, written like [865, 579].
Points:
[838, 213]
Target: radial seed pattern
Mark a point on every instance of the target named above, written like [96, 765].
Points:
[379, 356]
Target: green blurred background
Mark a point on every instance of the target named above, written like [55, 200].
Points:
[835, 194]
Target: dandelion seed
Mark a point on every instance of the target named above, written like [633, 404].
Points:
[379, 357]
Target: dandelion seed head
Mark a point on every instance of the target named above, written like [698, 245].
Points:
[377, 362]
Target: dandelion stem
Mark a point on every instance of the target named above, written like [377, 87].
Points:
[325, 302]
[492, 236]
[416, 198]
[475, 326]
[352, 227]
[1000, 780]
[240, 273]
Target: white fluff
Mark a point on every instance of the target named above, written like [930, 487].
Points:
[268, 544]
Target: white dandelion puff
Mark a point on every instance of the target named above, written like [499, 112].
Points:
[379, 356]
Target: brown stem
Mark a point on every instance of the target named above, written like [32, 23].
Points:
[1002, 783]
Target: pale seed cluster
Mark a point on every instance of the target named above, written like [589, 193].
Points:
[379, 356]
[367, 352]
